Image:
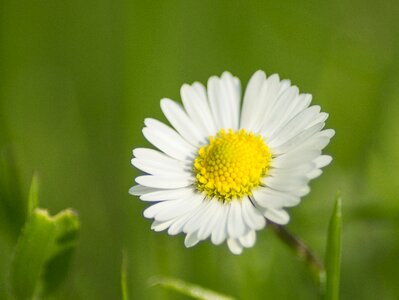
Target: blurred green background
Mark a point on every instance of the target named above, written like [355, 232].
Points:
[77, 78]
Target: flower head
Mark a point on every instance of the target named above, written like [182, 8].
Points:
[223, 169]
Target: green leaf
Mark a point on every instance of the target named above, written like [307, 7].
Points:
[43, 253]
[188, 289]
[64, 244]
[31, 252]
[333, 254]
[33, 200]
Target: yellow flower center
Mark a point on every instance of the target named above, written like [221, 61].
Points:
[232, 164]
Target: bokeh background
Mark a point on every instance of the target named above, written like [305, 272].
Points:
[77, 78]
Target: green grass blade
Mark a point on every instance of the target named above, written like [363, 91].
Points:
[333, 253]
[12, 201]
[33, 200]
[188, 289]
[124, 285]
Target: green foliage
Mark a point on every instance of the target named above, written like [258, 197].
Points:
[333, 255]
[43, 253]
[77, 78]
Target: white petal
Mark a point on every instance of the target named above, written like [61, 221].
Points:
[314, 174]
[234, 246]
[167, 140]
[294, 158]
[300, 103]
[280, 111]
[269, 198]
[279, 147]
[235, 224]
[250, 102]
[322, 117]
[249, 239]
[191, 239]
[160, 226]
[165, 195]
[165, 210]
[304, 102]
[303, 191]
[157, 168]
[164, 182]
[178, 224]
[252, 217]
[139, 190]
[220, 231]
[329, 133]
[176, 208]
[322, 161]
[284, 84]
[290, 99]
[278, 216]
[268, 98]
[231, 91]
[297, 124]
[285, 183]
[200, 89]
[197, 108]
[210, 219]
[196, 220]
[216, 103]
[152, 210]
[152, 154]
[182, 123]
[224, 100]
[299, 170]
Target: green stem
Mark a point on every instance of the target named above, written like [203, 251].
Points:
[302, 251]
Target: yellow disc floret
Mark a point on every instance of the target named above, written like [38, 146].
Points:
[232, 164]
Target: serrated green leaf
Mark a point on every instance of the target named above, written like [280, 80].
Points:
[333, 253]
[43, 253]
[65, 239]
[33, 200]
[188, 289]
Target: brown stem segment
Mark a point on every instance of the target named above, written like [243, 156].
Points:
[301, 249]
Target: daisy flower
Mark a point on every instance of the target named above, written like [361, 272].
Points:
[222, 169]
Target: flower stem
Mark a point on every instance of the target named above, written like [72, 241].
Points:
[302, 251]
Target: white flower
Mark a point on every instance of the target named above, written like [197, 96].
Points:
[223, 169]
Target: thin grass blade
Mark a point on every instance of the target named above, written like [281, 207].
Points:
[124, 285]
[333, 253]
[33, 200]
[192, 290]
